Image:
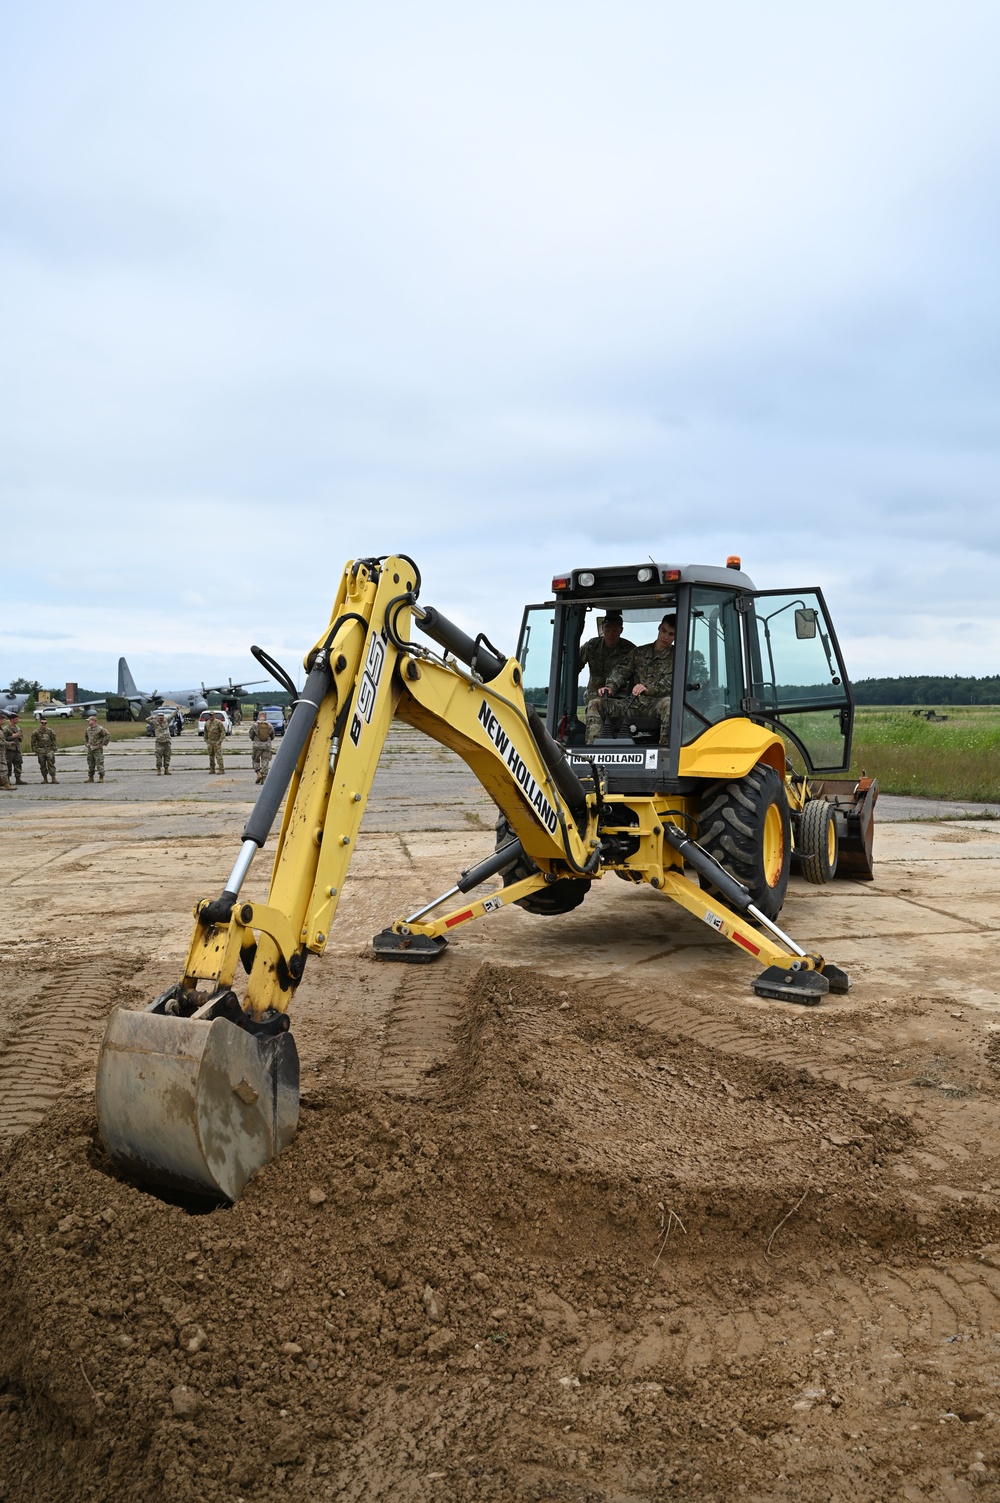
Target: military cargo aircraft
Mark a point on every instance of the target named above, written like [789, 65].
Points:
[191, 702]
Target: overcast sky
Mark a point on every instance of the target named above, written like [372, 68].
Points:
[513, 288]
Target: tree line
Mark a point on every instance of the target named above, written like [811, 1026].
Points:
[928, 689]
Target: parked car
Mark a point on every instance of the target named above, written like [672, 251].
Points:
[54, 709]
[206, 716]
[275, 716]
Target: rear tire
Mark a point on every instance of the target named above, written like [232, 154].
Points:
[747, 828]
[556, 897]
[818, 842]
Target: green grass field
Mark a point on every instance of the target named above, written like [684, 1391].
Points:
[959, 758]
[70, 732]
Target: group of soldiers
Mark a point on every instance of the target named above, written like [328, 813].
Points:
[96, 737]
[43, 744]
[628, 679]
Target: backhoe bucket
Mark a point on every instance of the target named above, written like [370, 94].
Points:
[195, 1104]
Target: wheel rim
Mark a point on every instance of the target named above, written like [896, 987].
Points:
[831, 842]
[774, 845]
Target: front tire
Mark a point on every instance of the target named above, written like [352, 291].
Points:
[818, 844]
[746, 826]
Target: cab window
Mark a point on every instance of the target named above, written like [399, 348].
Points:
[584, 625]
[713, 687]
[535, 654]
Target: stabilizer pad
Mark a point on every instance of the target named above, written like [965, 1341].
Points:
[804, 987]
[838, 979]
[415, 949]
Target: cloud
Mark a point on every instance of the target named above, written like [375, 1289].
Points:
[510, 290]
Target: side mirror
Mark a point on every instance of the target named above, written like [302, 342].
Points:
[805, 623]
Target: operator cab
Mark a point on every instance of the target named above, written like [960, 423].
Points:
[765, 655]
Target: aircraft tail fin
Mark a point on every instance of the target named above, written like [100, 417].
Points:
[126, 683]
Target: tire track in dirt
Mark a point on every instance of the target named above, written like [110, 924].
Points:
[65, 1017]
[926, 1312]
[664, 1015]
[420, 1031]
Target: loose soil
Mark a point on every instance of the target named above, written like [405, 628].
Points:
[599, 1227]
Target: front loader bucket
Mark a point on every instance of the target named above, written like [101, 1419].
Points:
[194, 1104]
[855, 807]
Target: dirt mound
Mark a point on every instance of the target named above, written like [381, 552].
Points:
[588, 1262]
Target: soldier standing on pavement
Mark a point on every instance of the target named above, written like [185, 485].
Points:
[43, 744]
[261, 747]
[95, 739]
[13, 736]
[161, 735]
[214, 734]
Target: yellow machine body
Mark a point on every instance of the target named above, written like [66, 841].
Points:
[201, 1090]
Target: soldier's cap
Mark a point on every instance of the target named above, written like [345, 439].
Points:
[613, 618]
[91, 717]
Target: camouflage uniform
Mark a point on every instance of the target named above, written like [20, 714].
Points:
[161, 736]
[261, 748]
[655, 670]
[43, 744]
[643, 666]
[95, 739]
[602, 660]
[13, 735]
[215, 733]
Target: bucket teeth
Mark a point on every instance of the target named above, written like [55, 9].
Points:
[194, 1104]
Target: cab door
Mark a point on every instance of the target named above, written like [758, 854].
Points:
[548, 650]
[534, 653]
[796, 676]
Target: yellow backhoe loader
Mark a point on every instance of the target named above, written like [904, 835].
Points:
[708, 802]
